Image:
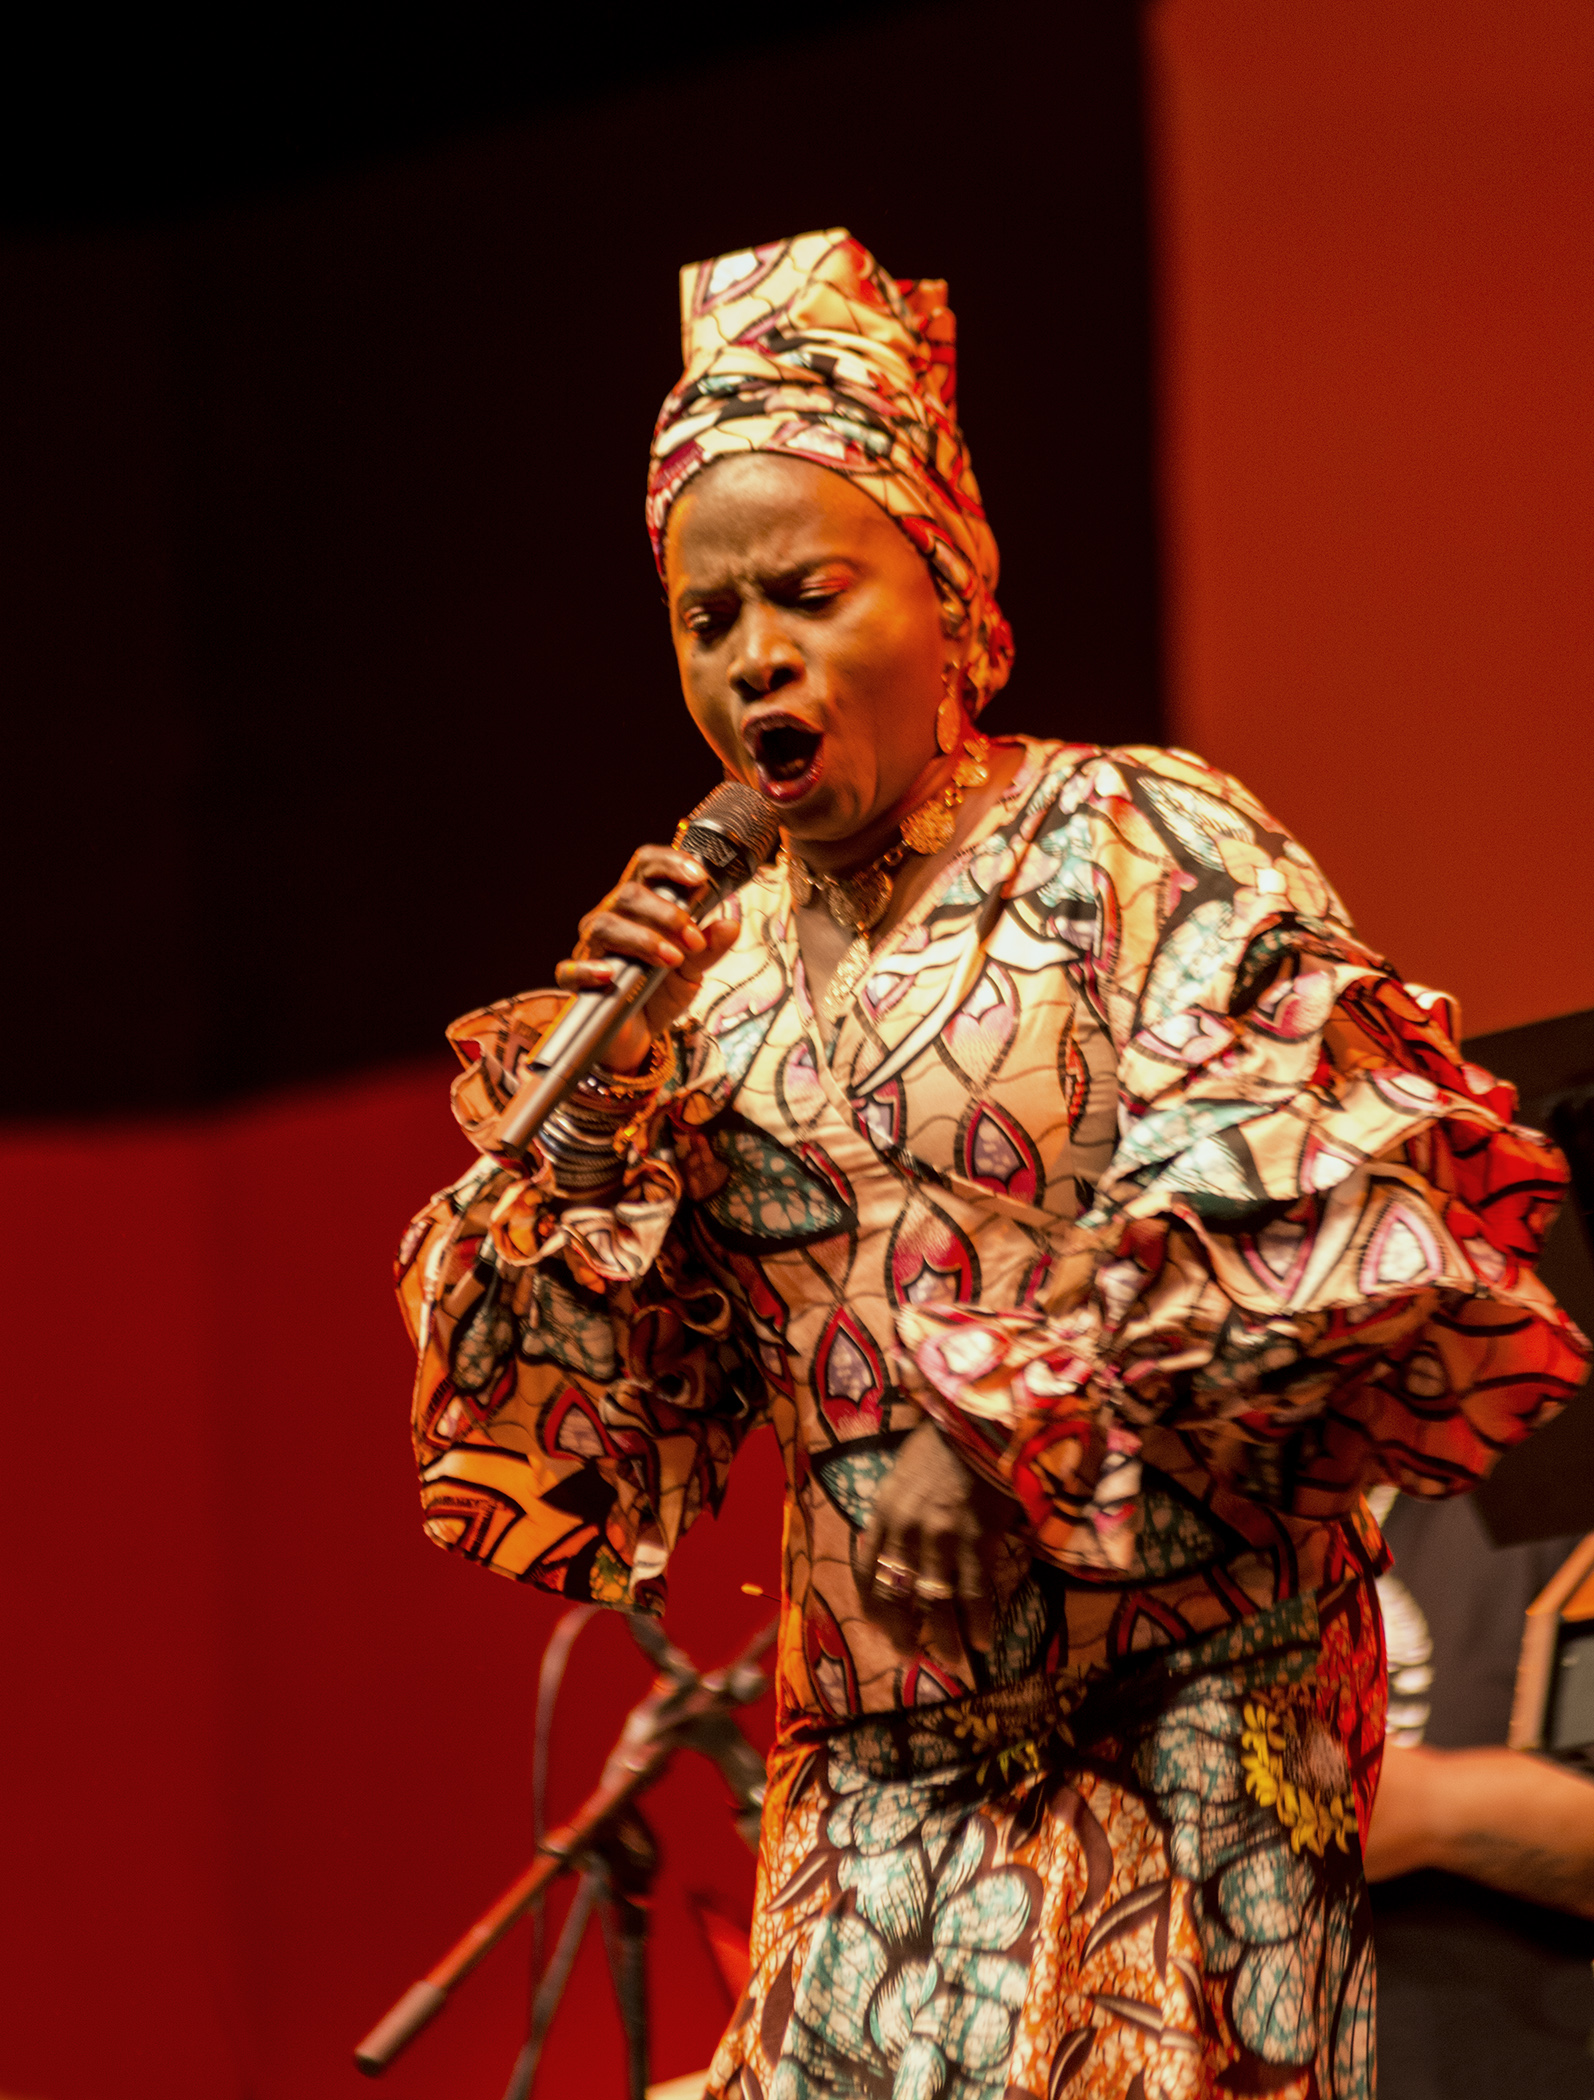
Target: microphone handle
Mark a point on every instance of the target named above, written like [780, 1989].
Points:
[587, 1027]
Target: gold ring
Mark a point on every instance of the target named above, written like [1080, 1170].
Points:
[895, 1578]
[932, 1590]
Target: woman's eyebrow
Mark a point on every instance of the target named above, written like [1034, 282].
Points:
[794, 572]
[701, 593]
[787, 577]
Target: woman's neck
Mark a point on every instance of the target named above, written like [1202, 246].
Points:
[822, 940]
[843, 856]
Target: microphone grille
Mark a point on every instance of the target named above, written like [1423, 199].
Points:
[732, 831]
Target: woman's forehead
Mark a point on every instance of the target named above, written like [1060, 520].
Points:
[767, 508]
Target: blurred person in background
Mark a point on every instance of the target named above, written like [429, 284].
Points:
[1481, 1856]
[1452, 1795]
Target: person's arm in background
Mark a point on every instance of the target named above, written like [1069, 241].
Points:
[1517, 1822]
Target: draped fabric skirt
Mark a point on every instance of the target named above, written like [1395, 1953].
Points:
[1151, 1890]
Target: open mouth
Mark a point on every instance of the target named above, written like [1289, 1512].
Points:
[787, 755]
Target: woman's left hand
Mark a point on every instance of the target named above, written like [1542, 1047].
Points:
[933, 1539]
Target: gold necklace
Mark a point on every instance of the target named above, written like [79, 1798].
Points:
[859, 901]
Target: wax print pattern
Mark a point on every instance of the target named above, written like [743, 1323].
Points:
[1163, 1898]
[1186, 1220]
[806, 347]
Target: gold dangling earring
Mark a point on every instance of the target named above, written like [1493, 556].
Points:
[949, 715]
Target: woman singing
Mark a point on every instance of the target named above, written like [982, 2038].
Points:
[1092, 1216]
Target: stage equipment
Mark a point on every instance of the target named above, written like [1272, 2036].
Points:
[731, 833]
[1553, 1709]
[606, 1842]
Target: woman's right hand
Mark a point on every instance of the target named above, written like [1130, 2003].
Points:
[634, 922]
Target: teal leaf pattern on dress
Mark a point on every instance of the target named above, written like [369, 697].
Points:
[1224, 1828]
[568, 1327]
[845, 1966]
[1214, 1174]
[1169, 1132]
[878, 1819]
[921, 2075]
[1071, 845]
[989, 1916]
[1196, 820]
[852, 1479]
[962, 1862]
[769, 1195]
[925, 1949]
[961, 890]
[990, 1974]
[1221, 1952]
[1196, 1749]
[743, 1040]
[1192, 959]
[891, 1890]
[1184, 1839]
[1261, 1897]
[1019, 1632]
[1355, 2043]
[897, 2005]
[938, 1830]
[1275, 2002]
[1173, 1538]
[1283, 1925]
[791, 2083]
[924, 1946]
[976, 2031]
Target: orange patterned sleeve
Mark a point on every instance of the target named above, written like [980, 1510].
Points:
[581, 1388]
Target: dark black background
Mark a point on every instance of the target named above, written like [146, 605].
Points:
[336, 670]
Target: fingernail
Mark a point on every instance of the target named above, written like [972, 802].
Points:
[693, 937]
[693, 872]
[669, 953]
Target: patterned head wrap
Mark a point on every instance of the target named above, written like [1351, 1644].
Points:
[806, 347]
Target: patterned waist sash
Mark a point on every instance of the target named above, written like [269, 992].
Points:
[1021, 1727]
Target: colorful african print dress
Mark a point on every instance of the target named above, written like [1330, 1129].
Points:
[1184, 1219]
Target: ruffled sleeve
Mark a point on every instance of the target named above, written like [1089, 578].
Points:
[581, 1387]
[1311, 1257]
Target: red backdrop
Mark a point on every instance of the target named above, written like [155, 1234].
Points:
[1377, 233]
[267, 1752]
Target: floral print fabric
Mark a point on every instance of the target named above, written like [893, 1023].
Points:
[1186, 1220]
[806, 347]
[1164, 1898]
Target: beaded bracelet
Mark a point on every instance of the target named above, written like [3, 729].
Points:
[629, 1087]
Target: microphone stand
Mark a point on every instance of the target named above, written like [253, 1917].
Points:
[609, 1845]
[619, 1876]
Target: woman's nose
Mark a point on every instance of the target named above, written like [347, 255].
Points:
[767, 658]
